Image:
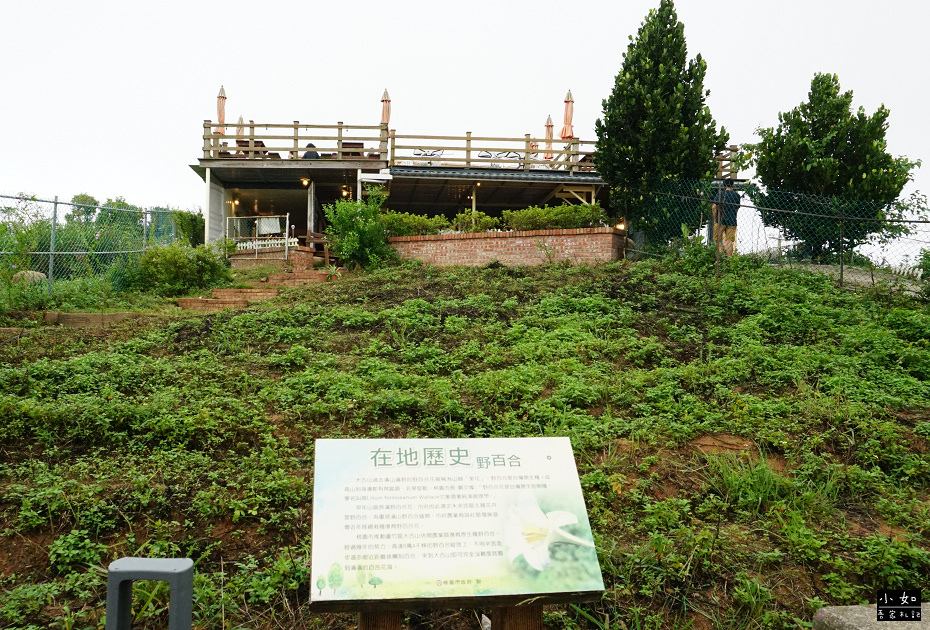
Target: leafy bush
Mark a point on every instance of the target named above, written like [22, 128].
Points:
[190, 226]
[74, 550]
[355, 230]
[469, 221]
[177, 269]
[564, 217]
[406, 224]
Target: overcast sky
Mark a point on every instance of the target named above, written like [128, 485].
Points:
[109, 98]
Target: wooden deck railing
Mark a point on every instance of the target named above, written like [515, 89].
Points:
[470, 151]
[376, 142]
[289, 141]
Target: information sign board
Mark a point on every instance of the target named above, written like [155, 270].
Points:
[449, 522]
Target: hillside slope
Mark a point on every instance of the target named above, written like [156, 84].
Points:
[751, 448]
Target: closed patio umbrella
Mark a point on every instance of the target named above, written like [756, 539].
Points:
[567, 131]
[385, 108]
[549, 126]
[240, 127]
[220, 111]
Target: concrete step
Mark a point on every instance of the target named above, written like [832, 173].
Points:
[206, 304]
[251, 295]
[275, 258]
[294, 278]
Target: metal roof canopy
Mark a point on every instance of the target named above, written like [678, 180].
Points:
[432, 190]
[448, 190]
[281, 173]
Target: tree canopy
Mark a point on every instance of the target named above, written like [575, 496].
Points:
[656, 125]
[823, 148]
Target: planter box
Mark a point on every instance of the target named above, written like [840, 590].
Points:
[514, 249]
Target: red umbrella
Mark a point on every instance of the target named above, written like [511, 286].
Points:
[549, 127]
[567, 132]
[385, 108]
[221, 111]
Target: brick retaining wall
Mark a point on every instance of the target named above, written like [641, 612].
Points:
[534, 247]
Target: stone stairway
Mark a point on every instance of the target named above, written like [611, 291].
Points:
[264, 290]
[227, 298]
[292, 278]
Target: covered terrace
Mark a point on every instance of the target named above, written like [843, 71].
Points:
[293, 169]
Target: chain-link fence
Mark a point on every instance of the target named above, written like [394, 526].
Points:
[861, 242]
[64, 241]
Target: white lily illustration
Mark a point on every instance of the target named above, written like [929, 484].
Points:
[529, 531]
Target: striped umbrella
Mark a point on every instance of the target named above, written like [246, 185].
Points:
[549, 126]
[567, 132]
[385, 108]
[220, 111]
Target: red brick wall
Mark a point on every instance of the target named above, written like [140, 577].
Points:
[536, 247]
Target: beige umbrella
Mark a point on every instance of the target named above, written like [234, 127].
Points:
[385, 108]
[220, 111]
[549, 126]
[240, 127]
[567, 132]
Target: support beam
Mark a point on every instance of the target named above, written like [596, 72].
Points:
[206, 208]
[311, 207]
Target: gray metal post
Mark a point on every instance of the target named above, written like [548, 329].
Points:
[145, 215]
[287, 228]
[51, 247]
[178, 572]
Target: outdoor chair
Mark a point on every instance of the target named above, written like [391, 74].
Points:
[428, 153]
[500, 155]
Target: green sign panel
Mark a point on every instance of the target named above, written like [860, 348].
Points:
[449, 519]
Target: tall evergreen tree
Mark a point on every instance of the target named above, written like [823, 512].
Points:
[823, 148]
[656, 126]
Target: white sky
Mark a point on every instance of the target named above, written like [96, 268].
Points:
[109, 98]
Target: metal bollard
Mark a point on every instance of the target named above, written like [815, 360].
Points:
[178, 572]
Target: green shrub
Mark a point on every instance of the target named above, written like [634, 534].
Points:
[177, 269]
[74, 550]
[469, 221]
[564, 217]
[190, 226]
[355, 230]
[406, 224]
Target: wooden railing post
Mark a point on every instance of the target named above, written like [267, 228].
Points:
[574, 157]
[526, 154]
[383, 147]
[339, 142]
[206, 140]
[393, 146]
[296, 138]
[467, 149]
[251, 152]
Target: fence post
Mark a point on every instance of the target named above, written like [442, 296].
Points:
[51, 246]
[842, 246]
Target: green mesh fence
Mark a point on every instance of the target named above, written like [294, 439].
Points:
[841, 236]
[65, 241]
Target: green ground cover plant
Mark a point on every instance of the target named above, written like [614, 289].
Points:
[751, 447]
